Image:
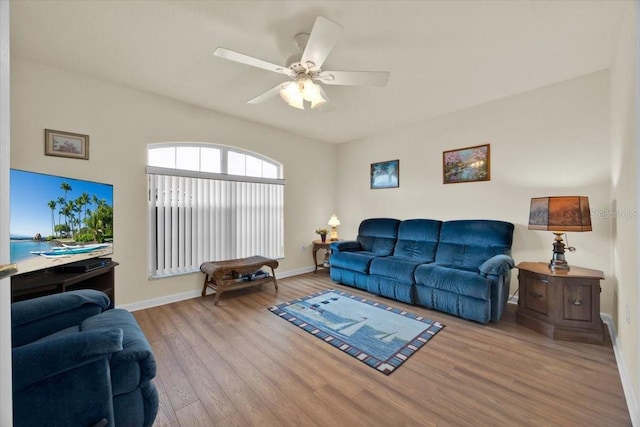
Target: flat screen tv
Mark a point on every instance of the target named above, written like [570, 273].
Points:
[57, 220]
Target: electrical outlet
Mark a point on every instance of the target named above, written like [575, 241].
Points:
[627, 314]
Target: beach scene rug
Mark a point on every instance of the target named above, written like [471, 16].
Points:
[379, 335]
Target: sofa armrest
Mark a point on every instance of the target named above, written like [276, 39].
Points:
[345, 246]
[135, 364]
[46, 358]
[38, 317]
[498, 265]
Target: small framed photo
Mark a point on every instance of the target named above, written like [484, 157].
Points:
[385, 174]
[66, 144]
[466, 164]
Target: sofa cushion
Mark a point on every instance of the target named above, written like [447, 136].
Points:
[394, 267]
[467, 244]
[390, 288]
[354, 261]
[450, 302]
[133, 365]
[350, 278]
[418, 240]
[378, 235]
[453, 280]
[80, 397]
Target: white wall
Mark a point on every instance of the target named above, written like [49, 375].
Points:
[6, 407]
[550, 141]
[624, 196]
[120, 123]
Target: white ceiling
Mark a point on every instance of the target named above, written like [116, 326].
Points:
[443, 55]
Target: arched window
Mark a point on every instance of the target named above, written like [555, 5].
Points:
[210, 202]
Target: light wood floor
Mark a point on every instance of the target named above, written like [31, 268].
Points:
[237, 364]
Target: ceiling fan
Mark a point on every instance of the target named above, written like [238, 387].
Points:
[304, 68]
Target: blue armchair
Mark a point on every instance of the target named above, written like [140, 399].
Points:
[75, 363]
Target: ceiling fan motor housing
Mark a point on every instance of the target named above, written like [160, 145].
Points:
[293, 62]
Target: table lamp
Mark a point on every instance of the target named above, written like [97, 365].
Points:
[334, 222]
[560, 214]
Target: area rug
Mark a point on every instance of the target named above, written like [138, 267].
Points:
[379, 335]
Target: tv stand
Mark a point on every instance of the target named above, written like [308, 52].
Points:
[52, 281]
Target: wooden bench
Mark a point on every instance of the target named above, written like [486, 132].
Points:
[234, 274]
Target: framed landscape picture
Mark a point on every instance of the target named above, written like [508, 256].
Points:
[466, 164]
[66, 144]
[385, 174]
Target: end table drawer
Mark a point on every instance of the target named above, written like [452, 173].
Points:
[577, 302]
[536, 294]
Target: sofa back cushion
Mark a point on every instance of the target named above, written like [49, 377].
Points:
[467, 244]
[378, 235]
[418, 239]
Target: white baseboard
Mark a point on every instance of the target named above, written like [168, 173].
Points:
[627, 384]
[168, 299]
[155, 302]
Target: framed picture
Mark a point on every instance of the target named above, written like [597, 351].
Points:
[385, 174]
[466, 164]
[66, 144]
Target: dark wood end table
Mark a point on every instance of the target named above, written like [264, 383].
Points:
[563, 305]
[317, 245]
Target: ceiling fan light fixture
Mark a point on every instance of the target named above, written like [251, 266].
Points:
[310, 90]
[291, 95]
[303, 89]
[317, 101]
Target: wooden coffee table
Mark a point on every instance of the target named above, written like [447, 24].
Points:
[222, 276]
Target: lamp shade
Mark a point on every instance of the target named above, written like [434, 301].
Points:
[560, 213]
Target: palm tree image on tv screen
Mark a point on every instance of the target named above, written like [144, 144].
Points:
[57, 220]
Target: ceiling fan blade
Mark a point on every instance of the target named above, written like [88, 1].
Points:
[354, 78]
[322, 39]
[268, 94]
[250, 60]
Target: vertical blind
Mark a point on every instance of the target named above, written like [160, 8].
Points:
[194, 219]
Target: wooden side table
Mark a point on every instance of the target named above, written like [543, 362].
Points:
[317, 245]
[563, 305]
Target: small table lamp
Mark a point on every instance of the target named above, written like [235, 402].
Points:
[334, 222]
[560, 214]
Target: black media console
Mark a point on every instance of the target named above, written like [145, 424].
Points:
[95, 273]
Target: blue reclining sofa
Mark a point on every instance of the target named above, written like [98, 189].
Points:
[76, 363]
[461, 267]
